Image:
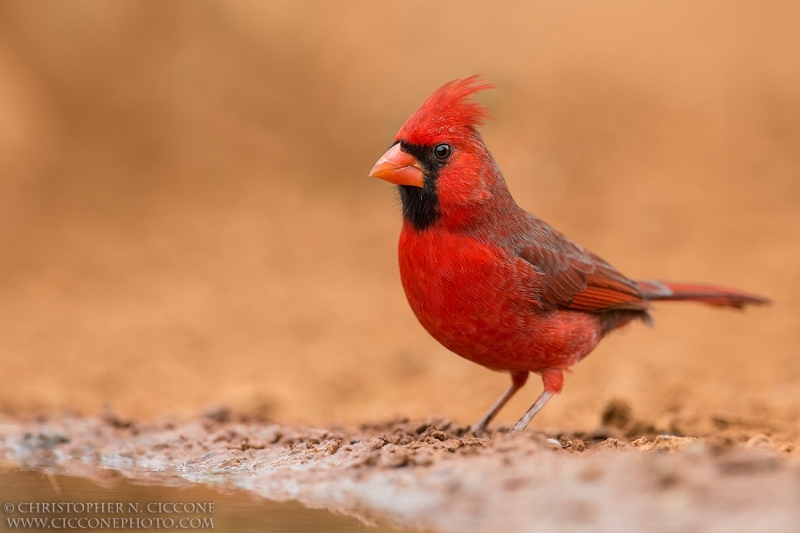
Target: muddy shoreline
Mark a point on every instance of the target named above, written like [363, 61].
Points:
[432, 474]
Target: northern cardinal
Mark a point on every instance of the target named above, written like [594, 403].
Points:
[492, 282]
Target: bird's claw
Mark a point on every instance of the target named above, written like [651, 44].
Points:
[478, 431]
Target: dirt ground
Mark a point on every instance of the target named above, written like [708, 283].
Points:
[186, 222]
[434, 475]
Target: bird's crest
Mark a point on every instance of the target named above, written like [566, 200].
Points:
[447, 110]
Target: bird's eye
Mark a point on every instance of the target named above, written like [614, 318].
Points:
[442, 151]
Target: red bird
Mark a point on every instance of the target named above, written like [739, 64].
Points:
[492, 282]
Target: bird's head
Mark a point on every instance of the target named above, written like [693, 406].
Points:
[442, 168]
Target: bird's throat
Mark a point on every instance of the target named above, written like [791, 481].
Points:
[420, 205]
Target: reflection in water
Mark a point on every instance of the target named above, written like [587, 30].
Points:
[233, 511]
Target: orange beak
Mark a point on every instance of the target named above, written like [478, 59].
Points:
[398, 167]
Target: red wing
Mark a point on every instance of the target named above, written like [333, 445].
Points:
[574, 278]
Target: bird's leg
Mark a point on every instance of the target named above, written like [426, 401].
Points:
[518, 379]
[538, 404]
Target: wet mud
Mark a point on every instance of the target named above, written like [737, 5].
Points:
[435, 475]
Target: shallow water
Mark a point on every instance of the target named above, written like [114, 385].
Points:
[139, 506]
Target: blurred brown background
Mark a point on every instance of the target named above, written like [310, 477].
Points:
[185, 217]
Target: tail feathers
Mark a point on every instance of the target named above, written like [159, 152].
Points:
[696, 292]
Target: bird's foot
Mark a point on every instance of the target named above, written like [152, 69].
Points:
[479, 431]
[537, 405]
[519, 426]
